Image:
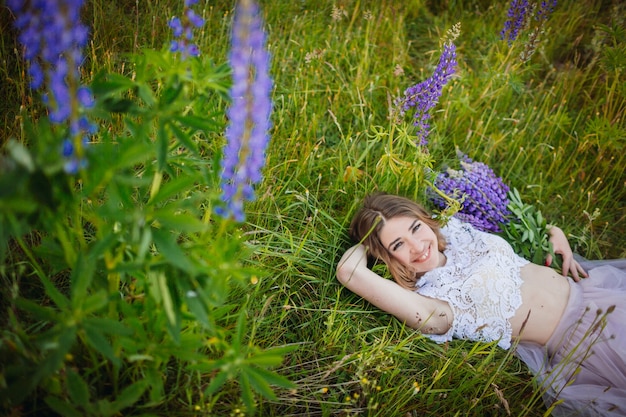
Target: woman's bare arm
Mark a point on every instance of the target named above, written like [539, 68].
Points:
[418, 312]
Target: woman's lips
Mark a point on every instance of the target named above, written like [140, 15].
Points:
[423, 257]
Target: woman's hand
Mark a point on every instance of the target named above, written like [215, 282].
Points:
[352, 260]
[561, 246]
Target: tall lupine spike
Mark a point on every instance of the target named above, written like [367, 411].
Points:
[53, 38]
[519, 15]
[483, 195]
[247, 133]
[422, 97]
[182, 29]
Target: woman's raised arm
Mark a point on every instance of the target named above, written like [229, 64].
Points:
[416, 311]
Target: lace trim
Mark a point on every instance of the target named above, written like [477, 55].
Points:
[481, 281]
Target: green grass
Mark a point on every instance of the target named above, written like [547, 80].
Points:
[552, 127]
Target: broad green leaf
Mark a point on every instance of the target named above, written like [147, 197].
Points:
[62, 408]
[77, 388]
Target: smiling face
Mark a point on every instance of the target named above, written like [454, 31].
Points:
[412, 243]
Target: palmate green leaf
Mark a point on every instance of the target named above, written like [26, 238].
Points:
[39, 312]
[108, 84]
[109, 326]
[155, 380]
[55, 295]
[95, 302]
[162, 293]
[216, 383]
[80, 279]
[203, 124]
[77, 388]
[270, 357]
[272, 378]
[184, 139]
[171, 92]
[240, 331]
[246, 392]
[183, 222]
[171, 251]
[146, 94]
[58, 342]
[162, 144]
[129, 396]
[174, 187]
[258, 382]
[96, 340]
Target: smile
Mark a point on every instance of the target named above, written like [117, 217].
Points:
[423, 257]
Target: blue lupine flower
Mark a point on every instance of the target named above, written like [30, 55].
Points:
[483, 195]
[249, 113]
[53, 38]
[182, 29]
[423, 96]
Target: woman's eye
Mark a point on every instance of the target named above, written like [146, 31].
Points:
[396, 246]
[417, 227]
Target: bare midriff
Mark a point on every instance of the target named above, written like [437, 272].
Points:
[545, 293]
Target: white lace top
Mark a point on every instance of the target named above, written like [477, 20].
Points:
[481, 281]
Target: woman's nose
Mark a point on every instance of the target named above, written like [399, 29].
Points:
[415, 246]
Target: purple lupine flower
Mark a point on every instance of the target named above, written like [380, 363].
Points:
[182, 29]
[422, 97]
[249, 113]
[483, 195]
[53, 37]
[545, 9]
[517, 15]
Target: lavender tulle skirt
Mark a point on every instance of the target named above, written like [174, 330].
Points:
[582, 368]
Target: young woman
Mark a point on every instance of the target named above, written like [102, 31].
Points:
[456, 281]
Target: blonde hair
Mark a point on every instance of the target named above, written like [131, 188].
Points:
[372, 216]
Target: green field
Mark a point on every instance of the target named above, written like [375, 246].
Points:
[552, 127]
